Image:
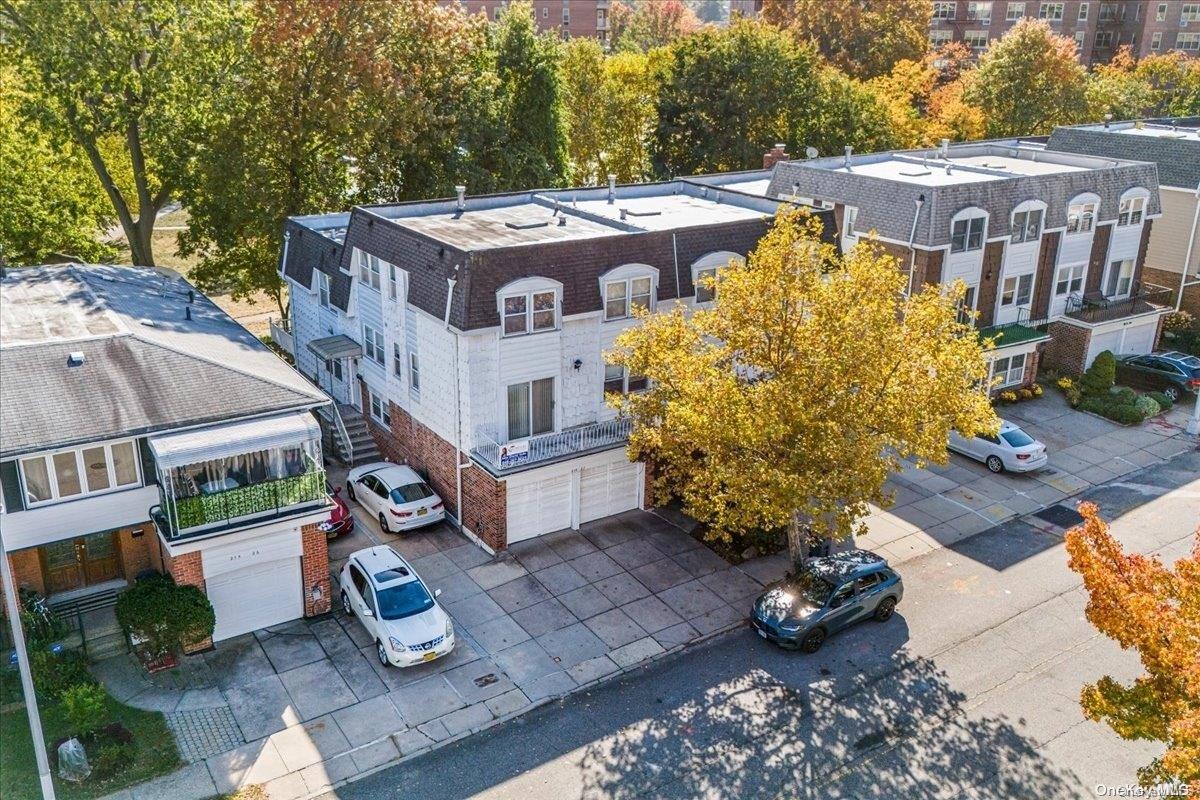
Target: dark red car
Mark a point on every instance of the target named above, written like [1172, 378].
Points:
[340, 519]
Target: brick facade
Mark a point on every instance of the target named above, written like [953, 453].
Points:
[187, 570]
[1044, 280]
[1171, 280]
[486, 512]
[1098, 260]
[1067, 349]
[989, 281]
[314, 566]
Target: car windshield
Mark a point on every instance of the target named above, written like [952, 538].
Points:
[411, 493]
[1017, 438]
[811, 589]
[403, 600]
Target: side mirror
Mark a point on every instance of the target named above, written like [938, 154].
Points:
[367, 612]
[437, 592]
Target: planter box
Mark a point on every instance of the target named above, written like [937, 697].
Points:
[159, 663]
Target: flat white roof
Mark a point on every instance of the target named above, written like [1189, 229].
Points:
[962, 169]
[656, 212]
[1158, 132]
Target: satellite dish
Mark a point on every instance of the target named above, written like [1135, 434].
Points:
[811, 152]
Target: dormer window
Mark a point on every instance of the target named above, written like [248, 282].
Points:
[851, 218]
[323, 289]
[706, 272]
[530, 312]
[1131, 211]
[1027, 225]
[369, 270]
[623, 296]
[1081, 217]
[967, 234]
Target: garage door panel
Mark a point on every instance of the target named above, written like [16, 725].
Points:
[256, 596]
[538, 508]
[607, 490]
[1101, 342]
[1140, 340]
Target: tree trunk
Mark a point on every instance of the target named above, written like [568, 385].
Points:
[141, 249]
[797, 535]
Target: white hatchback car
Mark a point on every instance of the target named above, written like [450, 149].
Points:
[396, 607]
[1013, 450]
[396, 494]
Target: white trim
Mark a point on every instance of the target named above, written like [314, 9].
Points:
[80, 516]
[47, 456]
[217, 441]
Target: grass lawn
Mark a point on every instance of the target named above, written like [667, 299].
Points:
[156, 753]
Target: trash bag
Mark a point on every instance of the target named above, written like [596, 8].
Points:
[72, 762]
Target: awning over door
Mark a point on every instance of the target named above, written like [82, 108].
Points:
[340, 346]
[235, 438]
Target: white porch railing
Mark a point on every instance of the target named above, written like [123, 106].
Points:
[281, 336]
[554, 445]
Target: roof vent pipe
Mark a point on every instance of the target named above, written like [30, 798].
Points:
[76, 358]
[612, 188]
[945, 148]
[187, 313]
[846, 158]
[461, 190]
[949, 167]
[624, 213]
[562, 220]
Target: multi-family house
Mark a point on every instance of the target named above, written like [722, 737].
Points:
[567, 18]
[1049, 245]
[1173, 256]
[142, 429]
[471, 333]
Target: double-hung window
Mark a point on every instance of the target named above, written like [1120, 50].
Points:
[850, 219]
[706, 286]
[1120, 278]
[323, 290]
[530, 408]
[1008, 371]
[980, 12]
[1190, 12]
[397, 360]
[976, 40]
[1083, 12]
[414, 372]
[1187, 42]
[380, 410]
[1016, 290]
[944, 9]
[623, 296]
[1156, 41]
[1104, 38]
[967, 234]
[74, 473]
[1160, 13]
[530, 312]
[393, 282]
[373, 346]
[1051, 11]
[368, 270]
[1069, 279]
[966, 307]
[1014, 11]
[1081, 217]
[1131, 211]
[617, 380]
[1027, 225]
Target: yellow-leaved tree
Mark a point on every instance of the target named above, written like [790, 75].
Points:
[790, 401]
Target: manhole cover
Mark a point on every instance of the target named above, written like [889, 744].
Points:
[1060, 515]
[486, 680]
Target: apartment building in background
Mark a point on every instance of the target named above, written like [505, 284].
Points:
[569, 18]
[1174, 145]
[1098, 28]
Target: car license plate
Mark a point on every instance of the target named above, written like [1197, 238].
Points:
[761, 632]
[430, 656]
[422, 511]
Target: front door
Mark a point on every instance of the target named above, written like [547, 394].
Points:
[75, 563]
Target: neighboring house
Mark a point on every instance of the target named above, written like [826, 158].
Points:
[471, 333]
[567, 18]
[1050, 245]
[141, 428]
[1174, 145]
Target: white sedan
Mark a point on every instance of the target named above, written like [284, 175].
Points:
[396, 607]
[396, 494]
[1013, 449]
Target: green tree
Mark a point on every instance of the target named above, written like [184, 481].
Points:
[50, 200]
[798, 393]
[145, 73]
[583, 67]
[642, 26]
[848, 112]
[1174, 79]
[1028, 82]
[1115, 88]
[864, 38]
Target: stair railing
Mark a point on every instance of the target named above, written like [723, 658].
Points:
[342, 433]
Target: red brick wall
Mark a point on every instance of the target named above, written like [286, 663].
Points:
[1067, 349]
[1099, 258]
[27, 572]
[1044, 282]
[486, 507]
[136, 551]
[1171, 280]
[314, 566]
[993, 259]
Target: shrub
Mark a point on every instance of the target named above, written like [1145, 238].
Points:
[1124, 396]
[1070, 389]
[1036, 390]
[85, 706]
[55, 673]
[1163, 401]
[112, 757]
[1008, 397]
[1147, 405]
[1108, 406]
[42, 626]
[1178, 321]
[165, 616]
[1025, 394]
[1100, 376]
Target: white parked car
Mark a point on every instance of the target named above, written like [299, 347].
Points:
[1013, 450]
[396, 607]
[396, 495]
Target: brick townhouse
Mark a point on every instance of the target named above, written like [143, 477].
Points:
[142, 429]
[1173, 256]
[470, 332]
[1050, 245]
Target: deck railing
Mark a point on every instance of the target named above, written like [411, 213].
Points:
[281, 335]
[177, 515]
[548, 446]
[1142, 299]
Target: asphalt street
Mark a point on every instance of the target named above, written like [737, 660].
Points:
[971, 690]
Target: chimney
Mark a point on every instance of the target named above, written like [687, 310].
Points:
[945, 148]
[774, 156]
[612, 188]
[849, 151]
[462, 197]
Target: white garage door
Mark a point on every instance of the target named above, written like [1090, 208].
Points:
[256, 596]
[1140, 339]
[1101, 342]
[537, 508]
[607, 490]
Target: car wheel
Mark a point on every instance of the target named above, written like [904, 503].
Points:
[346, 604]
[1172, 392]
[383, 659]
[350, 490]
[813, 641]
[884, 611]
[383, 523]
[994, 464]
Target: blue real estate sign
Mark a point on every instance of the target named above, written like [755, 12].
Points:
[514, 454]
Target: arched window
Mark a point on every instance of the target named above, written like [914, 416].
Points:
[627, 287]
[1133, 206]
[528, 305]
[1081, 213]
[704, 270]
[1028, 219]
[967, 230]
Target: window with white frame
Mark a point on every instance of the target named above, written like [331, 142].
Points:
[980, 12]
[1131, 211]
[393, 282]
[621, 297]
[373, 344]
[334, 367]
[566, 16]
[323, 290]
[967, 234]
[1104, 39]
[849, 220]
[1187, 42]
[529, 312]
[1027, 225]
[380, 410]
[966, 306]
[1120, 278]
[1016, 290]
[69, 474]
[414, 372]
[1069, 279]
[1108, 12]
[1083, 12]
[706, 285]
[1079, 37]
[1190, 12]
[940, 37]
[368, 270]
[1156, 41]
[1051, 11]
[944, 9]
[706, 273]
[1008, 371]
[530, 408]
[976, 40]
[1081, 217]
[617, 380]
[1160, 13]
[397, 360]
[1014, 11]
